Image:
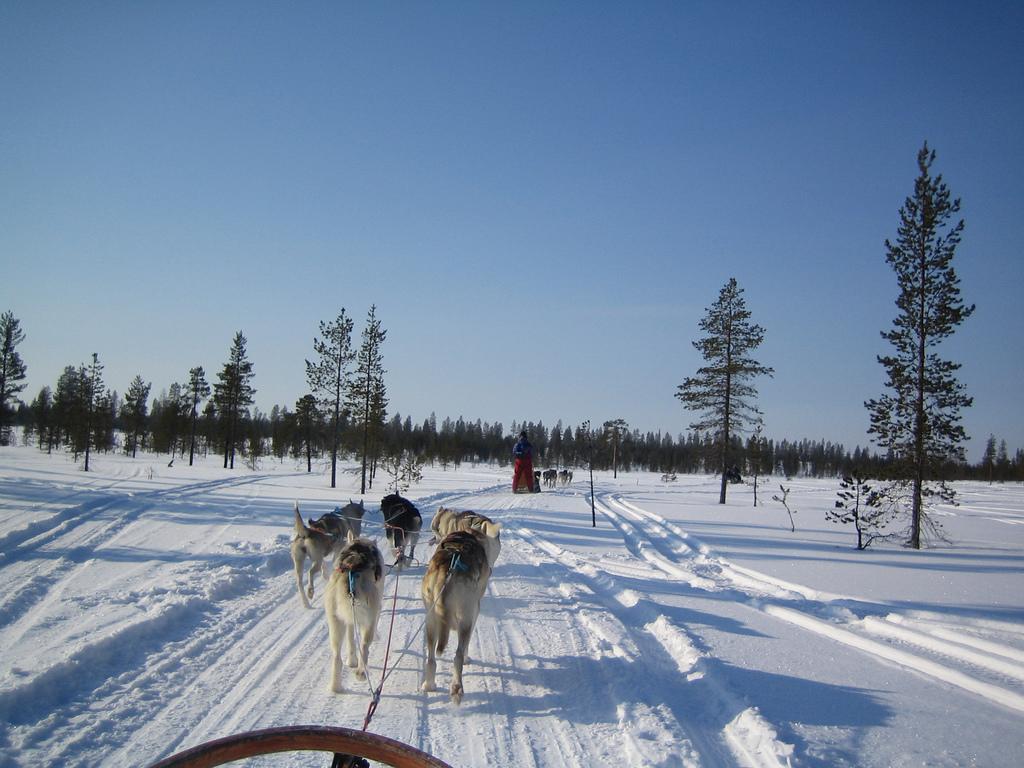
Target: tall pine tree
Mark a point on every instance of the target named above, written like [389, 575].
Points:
[721, 390]
[12, 371]
[95, 402]
[367, 397]
[196, 391]
[233, 394]
[134, 413]
[918, 420]
[328, 377]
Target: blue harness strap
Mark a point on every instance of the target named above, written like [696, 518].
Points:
[457, 564]
[352, 584]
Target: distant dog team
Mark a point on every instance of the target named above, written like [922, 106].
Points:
[456, 577]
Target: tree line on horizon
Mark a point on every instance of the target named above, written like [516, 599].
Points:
[915, 424]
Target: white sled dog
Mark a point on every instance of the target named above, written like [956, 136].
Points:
[449, 520]
[453, 586]
[352, 606]
[320, 540]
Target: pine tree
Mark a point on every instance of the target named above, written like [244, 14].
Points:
[306, 416]
[328, 377]
[988, 461]
[1003, 461]
[196, 391]
[613, 431]
[94, 402]
[12, 371]
[918, 421]
[367, 398]
[233, 395]
[42, 417]
[862, 505]
[134, 413]
[721, 389]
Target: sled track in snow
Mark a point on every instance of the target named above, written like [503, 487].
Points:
[700, 706]
[954, 655]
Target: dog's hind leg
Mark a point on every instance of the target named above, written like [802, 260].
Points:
[465, 631]
[312, 574]
[298, 580]
[335, 629]
[431, 633]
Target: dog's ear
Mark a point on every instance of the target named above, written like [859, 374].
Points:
[492, 529]
[350, 536]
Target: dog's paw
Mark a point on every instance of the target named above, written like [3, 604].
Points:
[336, 687]
[456, 693]
[309, 593]
[360, 674]
[427, 686]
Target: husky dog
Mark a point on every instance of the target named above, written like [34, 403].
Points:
[343, 519]
[317, 543]
[448, 520]
[402, 523]
[453, 585]
[352, 604]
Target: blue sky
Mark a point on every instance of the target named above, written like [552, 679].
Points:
[542, 199]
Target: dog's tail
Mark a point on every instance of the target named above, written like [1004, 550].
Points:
[300, 527]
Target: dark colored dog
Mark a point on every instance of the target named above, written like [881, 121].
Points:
[402, 524]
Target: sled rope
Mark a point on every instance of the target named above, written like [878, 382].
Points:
[375, 693]
[375, 700]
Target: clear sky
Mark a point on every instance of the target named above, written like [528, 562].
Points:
[542, 199]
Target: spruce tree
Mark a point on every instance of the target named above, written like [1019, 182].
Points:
[196, 391]
[988, 461]
[367, 397]
[721, 390]
[12, 371]
[93, 401]
[328, 377]
[134, 413]
[42, 417]
[306, 416]
[918, 420]
[233, 394]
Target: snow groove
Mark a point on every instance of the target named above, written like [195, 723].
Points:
[988, 670]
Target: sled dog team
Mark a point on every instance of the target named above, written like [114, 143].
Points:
[455, 580]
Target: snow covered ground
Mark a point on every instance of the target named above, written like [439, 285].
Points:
[145, 609]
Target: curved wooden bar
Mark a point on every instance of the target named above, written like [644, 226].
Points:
[297, 738]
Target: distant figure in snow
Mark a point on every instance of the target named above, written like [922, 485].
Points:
[522, 479]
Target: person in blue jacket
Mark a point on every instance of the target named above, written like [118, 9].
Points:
[522, 478]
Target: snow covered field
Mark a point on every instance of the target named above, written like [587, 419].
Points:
[145, 609]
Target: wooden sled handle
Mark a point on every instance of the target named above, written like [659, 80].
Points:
[295, 738]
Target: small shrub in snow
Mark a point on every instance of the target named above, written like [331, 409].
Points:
[868, 509]
[784, 501]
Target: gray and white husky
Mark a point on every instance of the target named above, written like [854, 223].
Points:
[447, 521]
[320, 540]
[352, 605]
[453, 586]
